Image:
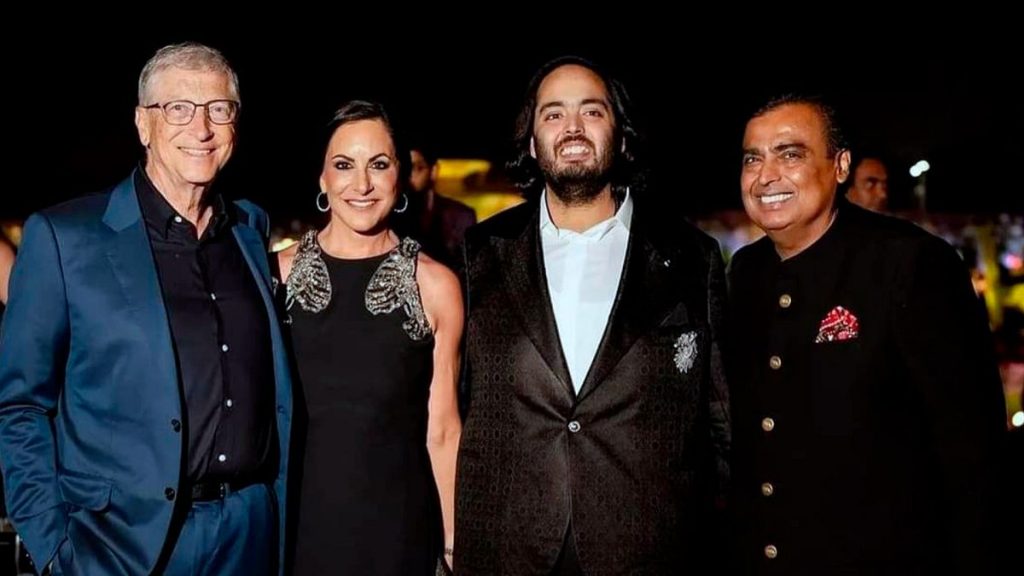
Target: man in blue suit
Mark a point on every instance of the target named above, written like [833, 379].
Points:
[145, 400]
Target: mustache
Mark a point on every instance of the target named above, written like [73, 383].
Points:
[574, 139]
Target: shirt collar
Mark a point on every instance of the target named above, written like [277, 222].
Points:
[161, 216]
[623, 217]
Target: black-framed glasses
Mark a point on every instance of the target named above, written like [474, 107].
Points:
[181, 112]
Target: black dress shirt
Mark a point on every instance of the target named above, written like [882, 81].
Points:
[221, 337]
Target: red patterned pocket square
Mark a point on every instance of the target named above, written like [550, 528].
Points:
[838, 325]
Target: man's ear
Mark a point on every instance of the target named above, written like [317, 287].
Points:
[843, 166]
[142, 126]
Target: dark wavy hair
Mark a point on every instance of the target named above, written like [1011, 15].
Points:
[627, 169]
[356, 110]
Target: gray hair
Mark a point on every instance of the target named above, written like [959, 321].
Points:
[185, 56]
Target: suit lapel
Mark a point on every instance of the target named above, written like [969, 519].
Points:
[522, 262]
[132, 261]
[253, 250]
[251, 244]
[655, 282]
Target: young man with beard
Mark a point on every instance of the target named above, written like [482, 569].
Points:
[597, 420]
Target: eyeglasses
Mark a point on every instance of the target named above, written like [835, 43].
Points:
[181, 112]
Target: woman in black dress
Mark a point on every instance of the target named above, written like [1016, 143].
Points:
[375, 325]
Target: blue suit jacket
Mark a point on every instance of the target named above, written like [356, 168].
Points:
[89, 385]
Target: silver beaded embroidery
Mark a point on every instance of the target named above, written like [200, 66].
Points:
[394, 286]
[686, 351]
[309, 284]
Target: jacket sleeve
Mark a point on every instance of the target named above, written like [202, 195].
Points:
[945, 347]
[33, 353]
[719, 407]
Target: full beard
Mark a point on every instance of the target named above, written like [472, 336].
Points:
[576, 184]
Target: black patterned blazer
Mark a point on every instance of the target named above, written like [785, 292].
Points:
[630, 466]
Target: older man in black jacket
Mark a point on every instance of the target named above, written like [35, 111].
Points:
[867, 405]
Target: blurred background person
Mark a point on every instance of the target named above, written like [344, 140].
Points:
[869, 184]
[437, 222]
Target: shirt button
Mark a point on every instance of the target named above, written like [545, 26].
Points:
[176, 424]
[213, 296]
[229, 403]
[767, 489]
[775, 362]
[177, 219]
[768, 424]
[785, 300]
[771, 552]
[222, 458]
[224, 347]
[574, 426]
[169, 493]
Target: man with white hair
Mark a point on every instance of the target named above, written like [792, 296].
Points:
[145, 399]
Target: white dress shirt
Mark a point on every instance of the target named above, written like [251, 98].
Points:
[583, 272]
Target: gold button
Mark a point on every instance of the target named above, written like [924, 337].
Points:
[767, 489]
[771, 552]
[775, 362]
[767, 424]
[785, 300]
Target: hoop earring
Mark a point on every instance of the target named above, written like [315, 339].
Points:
[323, 208]
[404, 207]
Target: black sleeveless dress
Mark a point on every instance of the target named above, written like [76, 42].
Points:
[368, 503]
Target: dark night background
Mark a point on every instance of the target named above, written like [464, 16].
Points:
[72, 130]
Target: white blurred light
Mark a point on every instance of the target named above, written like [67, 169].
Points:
[919, 167]
[1018, 419]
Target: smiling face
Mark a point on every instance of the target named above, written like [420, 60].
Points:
[181, 158]
[789, 179]
[360, 175]
[573, 133]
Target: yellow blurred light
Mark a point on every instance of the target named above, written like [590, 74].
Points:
[487, 204]
[459, 168]
[282, 244]
[12, 231]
